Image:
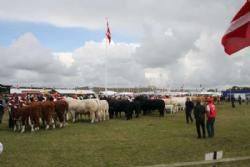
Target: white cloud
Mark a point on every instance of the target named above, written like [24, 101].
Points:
[92, 59]
[27, 62]
[126, 15]
[65, 58]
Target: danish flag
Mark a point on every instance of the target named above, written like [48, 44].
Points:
[237, 36]
[108, 33]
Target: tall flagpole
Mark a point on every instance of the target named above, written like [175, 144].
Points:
[108, 40]
[105, 64]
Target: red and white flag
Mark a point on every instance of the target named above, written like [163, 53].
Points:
[237, 36]
[108, 33]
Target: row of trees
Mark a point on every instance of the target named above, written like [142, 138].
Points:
[239, 88]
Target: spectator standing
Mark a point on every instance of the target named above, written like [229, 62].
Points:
[1, 110]
[239, 99]
[211, 115]
[189, 105]
[233, 101]
[199, 115]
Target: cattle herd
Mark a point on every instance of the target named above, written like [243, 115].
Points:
[48, 111]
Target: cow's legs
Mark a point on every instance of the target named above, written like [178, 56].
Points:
[15, 127]
[23, 129]
[31, 124]
[47, 126]
[98, 116]
[73, 116]
[103, 115]
[47, 123]
[106, 115]
[36, 120]
[32, 127]
[92, 117]
[53, 123]
[24, 120]
[65, 117]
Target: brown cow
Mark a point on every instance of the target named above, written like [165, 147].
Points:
[15, 116]
[47, 111]
[26, 115]
[30, 114]
[35, 114]
[61, 109]
[18, 115]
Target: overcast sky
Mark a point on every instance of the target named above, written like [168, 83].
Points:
[164, 43]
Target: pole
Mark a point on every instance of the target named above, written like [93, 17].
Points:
[105, 68]
[106, 54]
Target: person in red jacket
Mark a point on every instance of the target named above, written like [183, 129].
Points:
[211, 114]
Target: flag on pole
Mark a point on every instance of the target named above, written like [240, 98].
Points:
[108, 33]
[237, 36]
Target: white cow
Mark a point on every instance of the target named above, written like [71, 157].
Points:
[169, 105]
[92, 107]
[88, 106]
[179, 102]
[104, 110]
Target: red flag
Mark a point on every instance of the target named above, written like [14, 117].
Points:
[237, 36]
[108, 33]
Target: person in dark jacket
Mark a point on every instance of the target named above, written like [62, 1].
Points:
[233, 101]
[189, 105]
[239, 99]
[199, 115]
[1, 111]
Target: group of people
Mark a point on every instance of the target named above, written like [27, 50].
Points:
[240, 100]
[201, 112]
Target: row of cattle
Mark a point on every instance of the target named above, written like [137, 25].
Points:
[55, 113]
[99, 110]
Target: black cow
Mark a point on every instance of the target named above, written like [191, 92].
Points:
[136, 108]
[148, 105]
[118, 106]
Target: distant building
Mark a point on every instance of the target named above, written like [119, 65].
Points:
[108, 93]
[73, 92]
[29, 91]
[5, 89]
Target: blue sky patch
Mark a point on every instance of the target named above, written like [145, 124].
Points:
[57, 39]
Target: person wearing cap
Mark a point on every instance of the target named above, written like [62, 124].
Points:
[211, 114]
[199, 115]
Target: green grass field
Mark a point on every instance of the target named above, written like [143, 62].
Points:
[147, 140]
